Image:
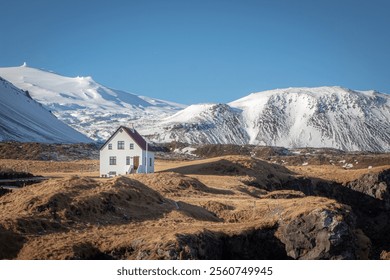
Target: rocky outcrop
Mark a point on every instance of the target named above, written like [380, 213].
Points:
[321, 234]
[376, 185]
[250, 244]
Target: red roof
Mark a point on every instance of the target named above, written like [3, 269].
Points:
[134, 135]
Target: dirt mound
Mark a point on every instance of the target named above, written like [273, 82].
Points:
[59, 204]
[58, 207]
[284, 194]
[221, 210]
[246, 167]
[175, 185]
[215, 206]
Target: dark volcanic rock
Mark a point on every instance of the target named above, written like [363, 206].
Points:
[376, 185]
[321, 234]
[252, 244]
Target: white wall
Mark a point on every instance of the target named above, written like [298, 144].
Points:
[146, 160]
[121, 168]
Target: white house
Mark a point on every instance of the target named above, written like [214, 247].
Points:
[125, 152]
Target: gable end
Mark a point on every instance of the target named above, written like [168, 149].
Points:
[138, 139]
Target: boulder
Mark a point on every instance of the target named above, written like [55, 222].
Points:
[320, 234]
[376, 185]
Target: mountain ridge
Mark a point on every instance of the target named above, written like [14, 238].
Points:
[333, 117]
[86, 105]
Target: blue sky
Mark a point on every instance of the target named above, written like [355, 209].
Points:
[202, 51]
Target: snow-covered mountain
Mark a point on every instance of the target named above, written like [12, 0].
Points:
[23, 119]
[86, 105]
[318, 117]
[201, 123]
[294, 117]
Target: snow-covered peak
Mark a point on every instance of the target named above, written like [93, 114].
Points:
[293, 117]
[316, 93]
[56, 91]
[86, 105]
[23, 119]
[192, 113]
[318, 117]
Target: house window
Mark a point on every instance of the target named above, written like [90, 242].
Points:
[112, 160]
[131, 146]
[127, 160]
[150, 161]
[110, 146]
[121, 145]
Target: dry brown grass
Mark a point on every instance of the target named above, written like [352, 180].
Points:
[53, 168]
[75, 216]
[334, 173]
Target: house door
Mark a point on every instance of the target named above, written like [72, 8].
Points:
[136, 162]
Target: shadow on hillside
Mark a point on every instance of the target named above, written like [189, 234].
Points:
[253, 172]
[227, 167]
[251, 244]
[10, 243]
[174, 184]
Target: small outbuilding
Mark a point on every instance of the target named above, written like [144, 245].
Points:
[126, 152]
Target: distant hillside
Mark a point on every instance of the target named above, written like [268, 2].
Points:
[25, 120]
[331, 117]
